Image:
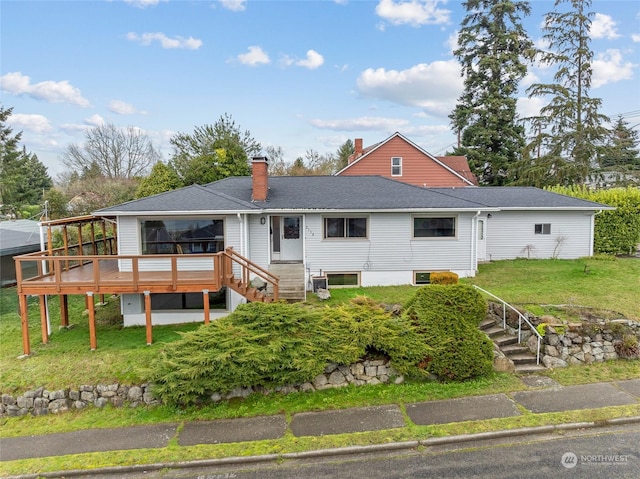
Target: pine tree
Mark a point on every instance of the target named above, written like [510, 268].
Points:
[621, 149]
[23, 178]
[570, 128]
[493, 49]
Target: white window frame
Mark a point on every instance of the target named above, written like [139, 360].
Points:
[397, 166]
[545, 229]
[437, 238]
[345, 228]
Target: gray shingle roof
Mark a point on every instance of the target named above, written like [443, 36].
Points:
[341, 192]
[348, 193]
[520, 197]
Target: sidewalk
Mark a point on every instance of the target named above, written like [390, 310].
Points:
[543, 396]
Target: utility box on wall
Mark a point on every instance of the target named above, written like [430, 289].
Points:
[319, 282]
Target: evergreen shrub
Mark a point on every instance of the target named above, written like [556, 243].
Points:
[280, 344]
[448, 316]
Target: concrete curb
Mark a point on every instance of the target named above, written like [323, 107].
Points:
[342, 451]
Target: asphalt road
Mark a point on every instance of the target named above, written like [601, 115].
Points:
[611, 453]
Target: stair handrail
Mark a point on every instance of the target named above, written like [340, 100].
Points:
[248, 266]
[521, 318]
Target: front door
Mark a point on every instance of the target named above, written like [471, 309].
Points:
[286, 238]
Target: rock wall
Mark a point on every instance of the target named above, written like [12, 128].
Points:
[586, 342]
[42, 401]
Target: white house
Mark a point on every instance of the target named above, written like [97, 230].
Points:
[351, 230]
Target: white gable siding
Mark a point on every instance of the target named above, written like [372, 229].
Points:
[511, 234]
[389, 255]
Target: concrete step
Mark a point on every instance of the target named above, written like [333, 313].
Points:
[522, 358]
[512, 349]
[494, 331]
[529, 368]
[487, 323]
[504, 340]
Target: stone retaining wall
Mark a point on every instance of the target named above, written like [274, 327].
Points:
[596, 340]
[42, 401]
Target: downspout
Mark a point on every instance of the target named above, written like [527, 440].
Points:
[474, 242]
[242, 237]
[593, 231]
[45, 266]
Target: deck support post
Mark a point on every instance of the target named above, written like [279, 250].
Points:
[147, 315]
[64, 310]
[24, 319]
[207, 309]
[92, 321]
[43, 318]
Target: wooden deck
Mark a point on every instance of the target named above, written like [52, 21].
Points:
[103, 275]
[92, 275]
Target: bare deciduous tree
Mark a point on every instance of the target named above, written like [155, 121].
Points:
[116, 152]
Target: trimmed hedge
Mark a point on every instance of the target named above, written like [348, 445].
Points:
[449, 316]
[617, 231]
[443, 277]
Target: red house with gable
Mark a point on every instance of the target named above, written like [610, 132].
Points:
[398, 158]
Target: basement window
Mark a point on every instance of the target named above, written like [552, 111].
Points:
[343, 280]
[421, 277]
[542, 229]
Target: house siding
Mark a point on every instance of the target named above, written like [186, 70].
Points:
[510, 234]
[389, 255]
[417, 168]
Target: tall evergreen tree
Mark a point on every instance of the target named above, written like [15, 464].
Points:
[493, 49]
[569, 129]
[621, 149]
[343, 154]
[23, 178]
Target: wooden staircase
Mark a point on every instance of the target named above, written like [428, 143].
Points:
[291, 280]
[248, 272]
[523, 359]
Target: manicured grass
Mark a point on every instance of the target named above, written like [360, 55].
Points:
[607, 284]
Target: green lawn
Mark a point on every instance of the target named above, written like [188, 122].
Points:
[122, 355]
[67, 360]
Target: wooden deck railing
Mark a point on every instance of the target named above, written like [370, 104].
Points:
[118, 273]
[247, 268]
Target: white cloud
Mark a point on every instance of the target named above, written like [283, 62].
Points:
[609, 67]
[50, 91]
[121, 108]
[234, 5]
[528, 107]
[144, 3]
[433, 87]
[31, 122]
[94, 120]
[452, 42]
[413, 12]
[635, 37]
[166, 42]
[603, 26]
[362, 123]
[255, 56]
[312, 61]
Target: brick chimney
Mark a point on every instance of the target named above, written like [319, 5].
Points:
[358, 147]
[260, 178]
[357, 151]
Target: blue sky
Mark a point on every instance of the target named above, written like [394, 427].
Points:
[298, 75]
